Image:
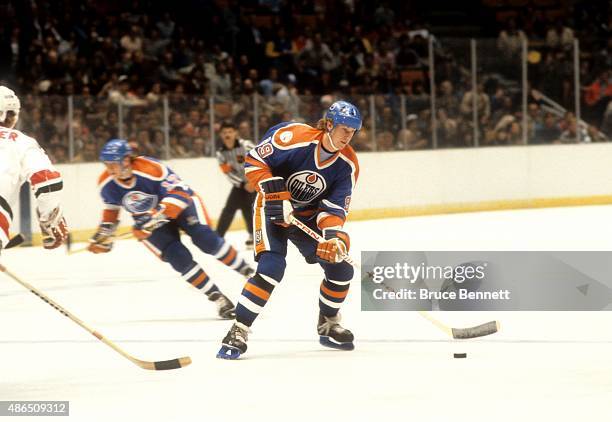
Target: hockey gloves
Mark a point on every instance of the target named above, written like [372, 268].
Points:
[149, 222]
[277, 207]
[53, 228]
[102, 241]
[336, 245]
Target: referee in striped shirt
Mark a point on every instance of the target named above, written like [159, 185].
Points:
[231, 160]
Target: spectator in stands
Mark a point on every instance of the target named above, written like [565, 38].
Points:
[599, 93]
[387, 127]
[547, 132]
[221, 83]
[362, 140]
[279, 51]
[417, 99]
[510, 39]
[384, 15]
[162, 53]
[166, 26]
[446, 129]
[121, 94]
[412, 137]
[315, 54]
[406, 55]
[560, 36]
[507, 131]
[573, 133]
[483, 105]
[447, 99]
[132, 41]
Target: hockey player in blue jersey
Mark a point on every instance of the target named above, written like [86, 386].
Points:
[309, 173]
[161, 205]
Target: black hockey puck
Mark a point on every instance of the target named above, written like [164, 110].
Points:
[459, 355]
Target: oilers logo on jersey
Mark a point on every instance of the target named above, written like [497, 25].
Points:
[139, 202]
[306, 185]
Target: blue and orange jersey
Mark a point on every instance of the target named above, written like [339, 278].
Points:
[320, 183]
[153, 184]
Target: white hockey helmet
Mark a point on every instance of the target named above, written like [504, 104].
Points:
[8, 102]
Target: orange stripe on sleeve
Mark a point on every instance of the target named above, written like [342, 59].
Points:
[254, 177]
[257, 291]
[255, 162]
[330, 221]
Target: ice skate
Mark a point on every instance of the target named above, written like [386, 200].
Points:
[246, 270]
[225, 307]
[333, 335]
[234, 343]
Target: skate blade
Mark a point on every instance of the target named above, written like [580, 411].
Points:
[329, 342]
[229, 353]
[228, 314]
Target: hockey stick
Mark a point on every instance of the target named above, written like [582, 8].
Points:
[126, 235]
[485, 329]
[156, 366]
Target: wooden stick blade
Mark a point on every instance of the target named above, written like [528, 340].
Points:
[482, 330]
[160, 365]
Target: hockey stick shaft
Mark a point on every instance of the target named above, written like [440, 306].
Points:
[125, 235]
[159, 365]
[458, 333]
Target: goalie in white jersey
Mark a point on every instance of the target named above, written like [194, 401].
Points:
[21, 160]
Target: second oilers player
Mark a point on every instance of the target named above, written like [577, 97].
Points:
[162, 205]
[309, 173]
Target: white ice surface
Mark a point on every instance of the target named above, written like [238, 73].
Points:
[541, 366]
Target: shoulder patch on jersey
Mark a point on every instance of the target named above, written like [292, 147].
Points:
[286, 136]
[148, 166]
